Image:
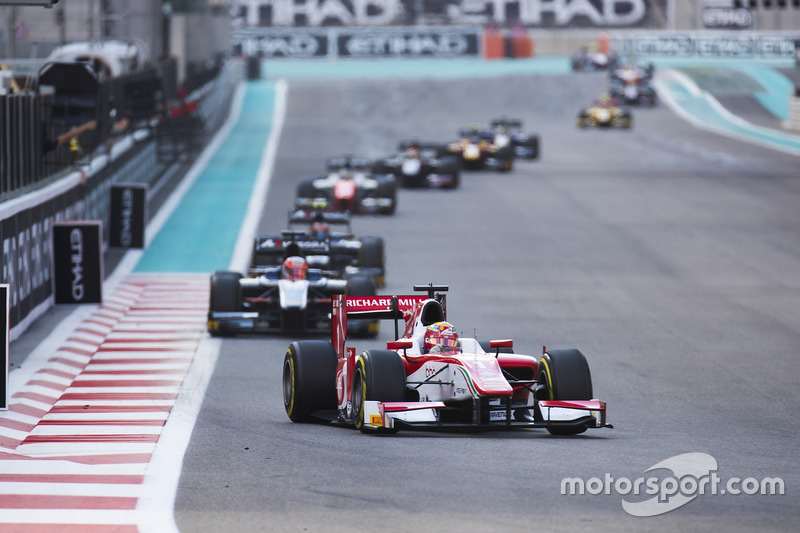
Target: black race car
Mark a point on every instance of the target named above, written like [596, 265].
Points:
[640, 92]
[326, 249]
[421, 165]
[269, 300]
[590, 58]
[526, 145]
[630, 82]
[480, 149]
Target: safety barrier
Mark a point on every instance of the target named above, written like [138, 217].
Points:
[26, 220]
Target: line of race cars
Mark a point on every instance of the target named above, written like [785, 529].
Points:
[630, 83]
[319, 281]
[293, 274]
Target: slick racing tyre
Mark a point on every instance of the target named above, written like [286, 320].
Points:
[360, 285]
[534, 147]
[373, 253]
[450, 166]
[379, 375]
[224, 291]
[387, 188]
[309, 379]
[306, 189]
[564, 375]
[225, 295]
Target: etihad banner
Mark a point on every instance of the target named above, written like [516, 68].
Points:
[26, 242]
[530, 13]
[710, 44]
[128, 215]
[359, 42]
[78, 262]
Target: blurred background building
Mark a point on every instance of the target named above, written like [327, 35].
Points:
[194, 32]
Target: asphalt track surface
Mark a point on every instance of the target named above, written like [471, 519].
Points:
[668, 255]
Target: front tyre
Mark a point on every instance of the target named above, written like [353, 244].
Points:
[309, 379]
[379, 375]
[564, 375]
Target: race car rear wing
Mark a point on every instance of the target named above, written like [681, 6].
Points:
[377, 308]
[307, 216]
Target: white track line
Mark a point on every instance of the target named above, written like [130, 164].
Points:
[157, 506]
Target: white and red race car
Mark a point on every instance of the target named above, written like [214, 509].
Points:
[474, 385]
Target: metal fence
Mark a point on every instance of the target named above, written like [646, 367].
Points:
[27, 212]
[21, 163]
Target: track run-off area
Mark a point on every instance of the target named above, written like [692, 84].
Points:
[667, 254]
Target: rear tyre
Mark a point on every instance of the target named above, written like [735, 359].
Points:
[306, 189]
[225, 295]
[309, 379]
[224, 291]
[564, 375]
[388, 189]
[533, 144]
[379, 375]
[373, 253]
[450, 166]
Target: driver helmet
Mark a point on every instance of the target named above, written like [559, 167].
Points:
[319, 229]
[442, 336]
[294, 268]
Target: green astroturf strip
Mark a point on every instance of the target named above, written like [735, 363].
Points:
[201, 233]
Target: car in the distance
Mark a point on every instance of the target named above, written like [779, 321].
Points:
[421, 165]
[350, 185]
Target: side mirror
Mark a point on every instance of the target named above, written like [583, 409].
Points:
[498, 344]
[399, 345]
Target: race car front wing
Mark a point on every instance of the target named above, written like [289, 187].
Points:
[497, 414]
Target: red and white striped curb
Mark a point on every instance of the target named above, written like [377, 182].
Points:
[77, 442]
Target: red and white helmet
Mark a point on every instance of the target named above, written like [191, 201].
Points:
[294, 268]
[442, 334]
